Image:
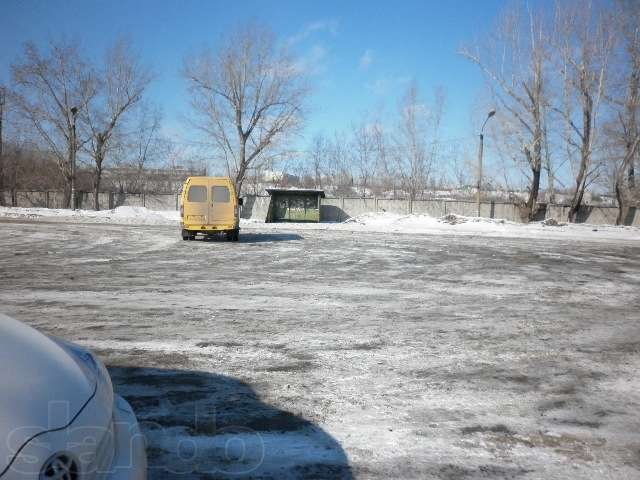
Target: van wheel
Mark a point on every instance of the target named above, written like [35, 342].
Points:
[185, 235]
[235, 235]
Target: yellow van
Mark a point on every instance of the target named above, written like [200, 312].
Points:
[209, 205]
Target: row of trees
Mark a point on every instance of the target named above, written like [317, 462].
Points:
[565, 84]
[402, 158]
[64, 106]
[247, 99]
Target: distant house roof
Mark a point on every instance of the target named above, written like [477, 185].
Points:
[295, 191]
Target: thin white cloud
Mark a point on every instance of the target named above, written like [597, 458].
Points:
[366, 59]
[380, 86]
[386, 84]
[320, 26]
[313, 61]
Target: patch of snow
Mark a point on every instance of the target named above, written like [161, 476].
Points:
[368, 222]
[119, 215]
[461, 225]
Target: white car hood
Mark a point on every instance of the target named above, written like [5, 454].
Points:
[41, 386]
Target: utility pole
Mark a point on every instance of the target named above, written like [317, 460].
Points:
[2, 103]
[489, 115]
[74, 147]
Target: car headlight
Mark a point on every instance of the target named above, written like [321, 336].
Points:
[83, 355]
[86, 360]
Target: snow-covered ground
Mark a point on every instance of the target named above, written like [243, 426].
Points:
[346, 353]
[368, 222]
[460, 225]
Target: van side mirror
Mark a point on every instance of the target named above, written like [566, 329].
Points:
[240, 201]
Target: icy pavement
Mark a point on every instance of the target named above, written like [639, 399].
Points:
[305, 353]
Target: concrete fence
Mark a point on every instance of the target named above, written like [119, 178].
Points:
[341, 209]
[108, 200]
[331, 209]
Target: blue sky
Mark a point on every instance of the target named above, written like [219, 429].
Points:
[362, 54]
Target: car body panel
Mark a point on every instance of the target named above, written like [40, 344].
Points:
[101, 435]
[130, 459]
[43, 387]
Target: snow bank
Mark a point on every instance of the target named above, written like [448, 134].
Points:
[460, 225]
[119, 215]
[368, 222]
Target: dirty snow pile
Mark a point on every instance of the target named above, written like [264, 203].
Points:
[119, 215]
[460, 225]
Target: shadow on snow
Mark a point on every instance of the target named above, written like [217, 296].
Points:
[255, 237]
[208, 426]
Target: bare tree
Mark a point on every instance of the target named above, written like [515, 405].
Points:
[386, 171]
[625, 101]
[123, 80]
[514, 61]
[417, 140]
[339, 165]
[135, 150]
[247, 97]
[363, 153]
[547, 162]
[317, 155]
[49, 88]
[584, 39]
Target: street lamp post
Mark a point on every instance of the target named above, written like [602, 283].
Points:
[480, 149]
[2, 100]
[74, 147]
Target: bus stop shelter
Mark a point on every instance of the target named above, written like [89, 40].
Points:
[294, 205]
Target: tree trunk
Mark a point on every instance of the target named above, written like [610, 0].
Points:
[551, 189]
[576, 200]
[551, 180]
[532, 201]
[623, 207]
[66, 200]
[581, 178]
[1, 179]
[96, 188]
[68, 174]
[242, 168]
[585, 153]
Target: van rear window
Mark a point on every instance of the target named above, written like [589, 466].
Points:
[220, 194]
[197, 193]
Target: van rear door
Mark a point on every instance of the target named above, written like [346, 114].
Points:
[221, 203]
[196, 203]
